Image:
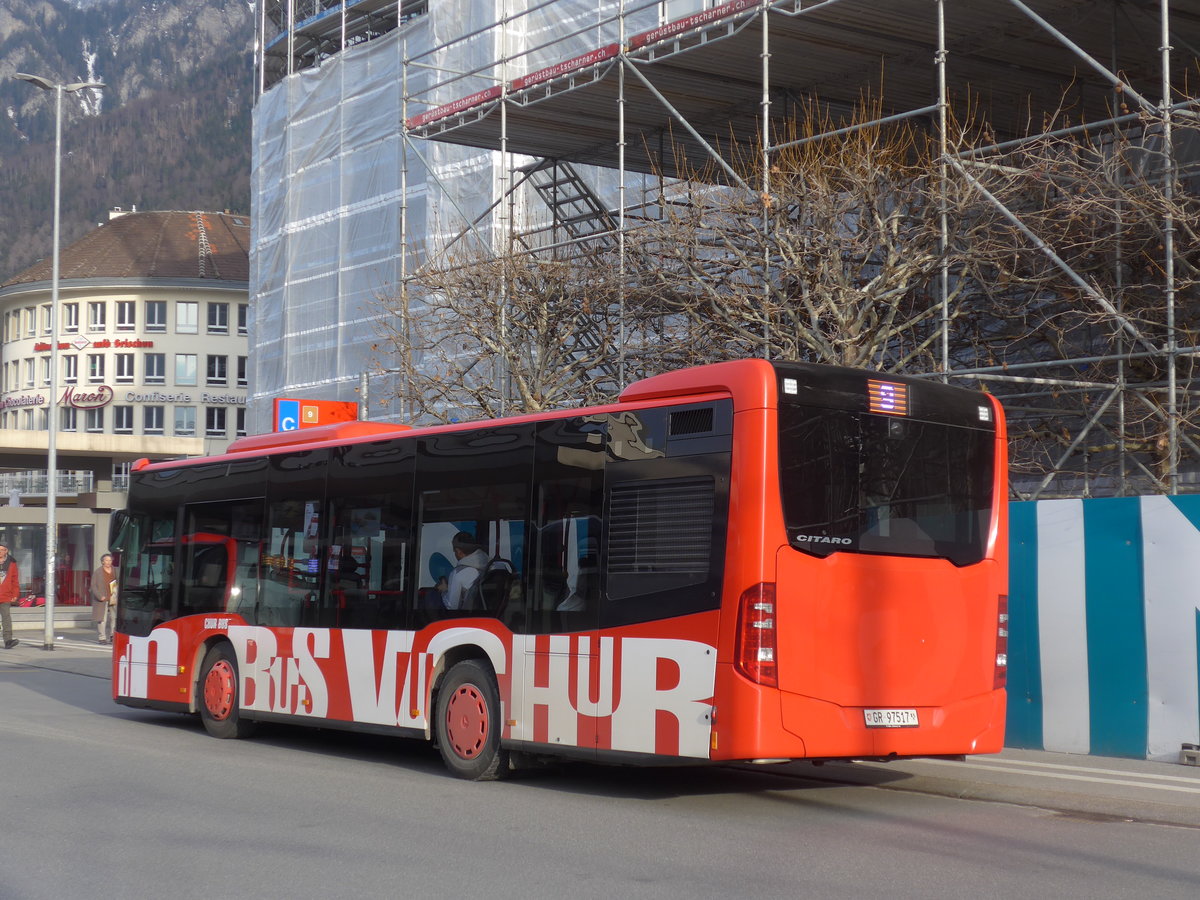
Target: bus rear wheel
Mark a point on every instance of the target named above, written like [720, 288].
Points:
[219, 694]
[467, 723]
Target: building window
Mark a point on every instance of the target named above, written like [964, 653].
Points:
[241, 372]
[70, 318]
[214, 421]
[241, 421]
[156, 315]
[95, 367]
[97, 315]
[185, 421]
[123, 419]
[243, 318]
[185, 368]
[218, 318]
[120, 479]
[27, 419]
[126, 315]
[156, 368]
[186, 317]
[124, 368]
[152, 420]
[71, 369]
[30, 321]
[29, 373]
[217, 373]
[45, 318]
[43, 418]
[45, 370]
[94, 420]
[70, 418]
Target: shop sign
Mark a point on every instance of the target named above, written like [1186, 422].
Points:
[80, 342]
[19, 402]
[91, 399]
[293, 414]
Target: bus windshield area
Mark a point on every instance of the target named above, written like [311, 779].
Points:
[862, 482]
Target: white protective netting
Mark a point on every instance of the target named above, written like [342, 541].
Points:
[329, 162]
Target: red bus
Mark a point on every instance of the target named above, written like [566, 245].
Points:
[751, 560]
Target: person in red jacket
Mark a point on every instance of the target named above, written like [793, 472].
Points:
[10, 584]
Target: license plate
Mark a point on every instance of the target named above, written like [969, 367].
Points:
[890, 718]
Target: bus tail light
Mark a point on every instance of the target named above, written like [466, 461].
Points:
[1001, 677]
[756, 635]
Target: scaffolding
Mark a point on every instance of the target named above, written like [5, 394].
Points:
[567, 117]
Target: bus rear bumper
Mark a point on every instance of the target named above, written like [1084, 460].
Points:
[972, 725]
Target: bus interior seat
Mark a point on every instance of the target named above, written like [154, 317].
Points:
[494, 585]
[210, 575]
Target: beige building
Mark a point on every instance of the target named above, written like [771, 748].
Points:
[152, 362]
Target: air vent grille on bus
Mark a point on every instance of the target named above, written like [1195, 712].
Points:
[657, 526]
[692, 421]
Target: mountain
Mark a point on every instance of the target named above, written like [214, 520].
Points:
[170, 129]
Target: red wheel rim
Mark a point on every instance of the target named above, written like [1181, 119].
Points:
[467, 721]
[219, 689]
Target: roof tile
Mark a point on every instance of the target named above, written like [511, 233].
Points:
[172, 244]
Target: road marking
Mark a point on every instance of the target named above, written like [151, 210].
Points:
[1044, 765]
[1127, 780]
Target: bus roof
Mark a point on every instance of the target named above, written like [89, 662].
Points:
[751, 382]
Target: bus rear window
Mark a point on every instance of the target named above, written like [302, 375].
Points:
[861, 482]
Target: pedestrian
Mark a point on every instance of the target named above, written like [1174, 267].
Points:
[10, 587]
[104, 598]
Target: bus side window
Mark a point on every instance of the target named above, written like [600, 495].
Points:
[665, 546]
[474, 483]
[147, 563]
[366, 564]
[495, 517]
[367, 559]
[220, 550]
[565, 582]
[204, 583]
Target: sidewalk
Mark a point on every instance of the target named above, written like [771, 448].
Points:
[33, 618]
[75, 650]
[1093, 787]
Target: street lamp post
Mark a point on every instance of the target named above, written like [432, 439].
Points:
[52, 415]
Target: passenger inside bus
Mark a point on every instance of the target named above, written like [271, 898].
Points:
[472, 562]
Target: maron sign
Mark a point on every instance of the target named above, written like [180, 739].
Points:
[99, 396]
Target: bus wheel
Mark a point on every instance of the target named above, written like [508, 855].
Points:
[219, 694]
[468, 723]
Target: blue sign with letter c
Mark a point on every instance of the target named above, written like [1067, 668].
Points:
[287, 415]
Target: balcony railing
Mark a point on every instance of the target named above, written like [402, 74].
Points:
[70, 483]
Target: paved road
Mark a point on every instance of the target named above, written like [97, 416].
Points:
[1083, 786]
[103, 801]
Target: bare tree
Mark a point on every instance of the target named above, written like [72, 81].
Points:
[479, 335]
[1044, 266]
[1081, 308]
[839, 260]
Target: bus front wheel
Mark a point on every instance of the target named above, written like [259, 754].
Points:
[219, 694]
[468, 724]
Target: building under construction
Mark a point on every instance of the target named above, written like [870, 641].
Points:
[387, 132]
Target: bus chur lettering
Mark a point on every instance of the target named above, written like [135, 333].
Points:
[643, 695]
